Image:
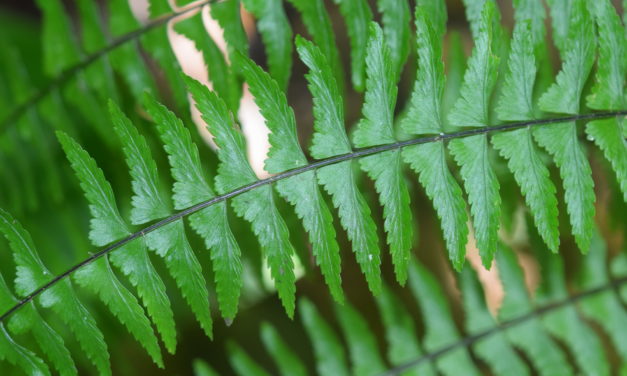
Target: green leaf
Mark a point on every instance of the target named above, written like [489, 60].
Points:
[327, 348]
[473, 106]
[131, 259]
[27, 319]
[32, 273]
[100, 279]
[482, 186]
[396, 18]
[19, 356]
[604, 308]
[362, 345]
[211, 223]
[534, 180]
[287, 362]
[516, 101]
[609, 138]
[357, 16]
[400, 333]
[478, 319]
[531, 11]
[436, 9]
[220, 75]
[566, 325]
[578, 56]
[201, 368]
[425, 114]
[429, 162]
[60, 48]
[276, 34]
[126, 58]
[529, 336]
[99, 73]
[608, 92]
[242, 363]
[316, 19]
[561, 141]
[256, 206]
[385, 168]
[285, 153]
[439, 324]
[157, 43]
[150, 203]
[227, 13]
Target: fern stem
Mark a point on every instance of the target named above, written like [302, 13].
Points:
[471, 339]
[358, 153]
[87, 60]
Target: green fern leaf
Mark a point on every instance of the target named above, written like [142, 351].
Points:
[608, 135]
[362, 345]
[479, 319]
[357, 16]
[126, 58]
[32, 273]
[242, 363]
[531, 11]
[608, 92]
[227, 13]
[429, 160]
[157, 43]
[439, 323]
[190, 188]
[561, 140]
[396, 18]
[222, 78]
[29, 320]
[385, 168]
[471, 153]
[328, 351]
[529, 336]
[400, 333]
[257, 206]
[316, 19]
[516, 103]
[338, 180]
[277, 37]
[566, 324]
[578, 56]
[285, 153]
[19, 356]
[201, 368]
[100, 279]
[133, 261]
[533, 178]
[604, 309]
[150, 202]
[289, 364]
[60, 48]
[99, 74]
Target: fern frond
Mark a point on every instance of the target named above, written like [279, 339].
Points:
[471, 154]
[257, 207]
[385, 169]
[191, 187]
[277, 37]
[329, 140]
[106, 226]
[561, 141]
[61, 298]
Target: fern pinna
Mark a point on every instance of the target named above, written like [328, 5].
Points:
[507, 102]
